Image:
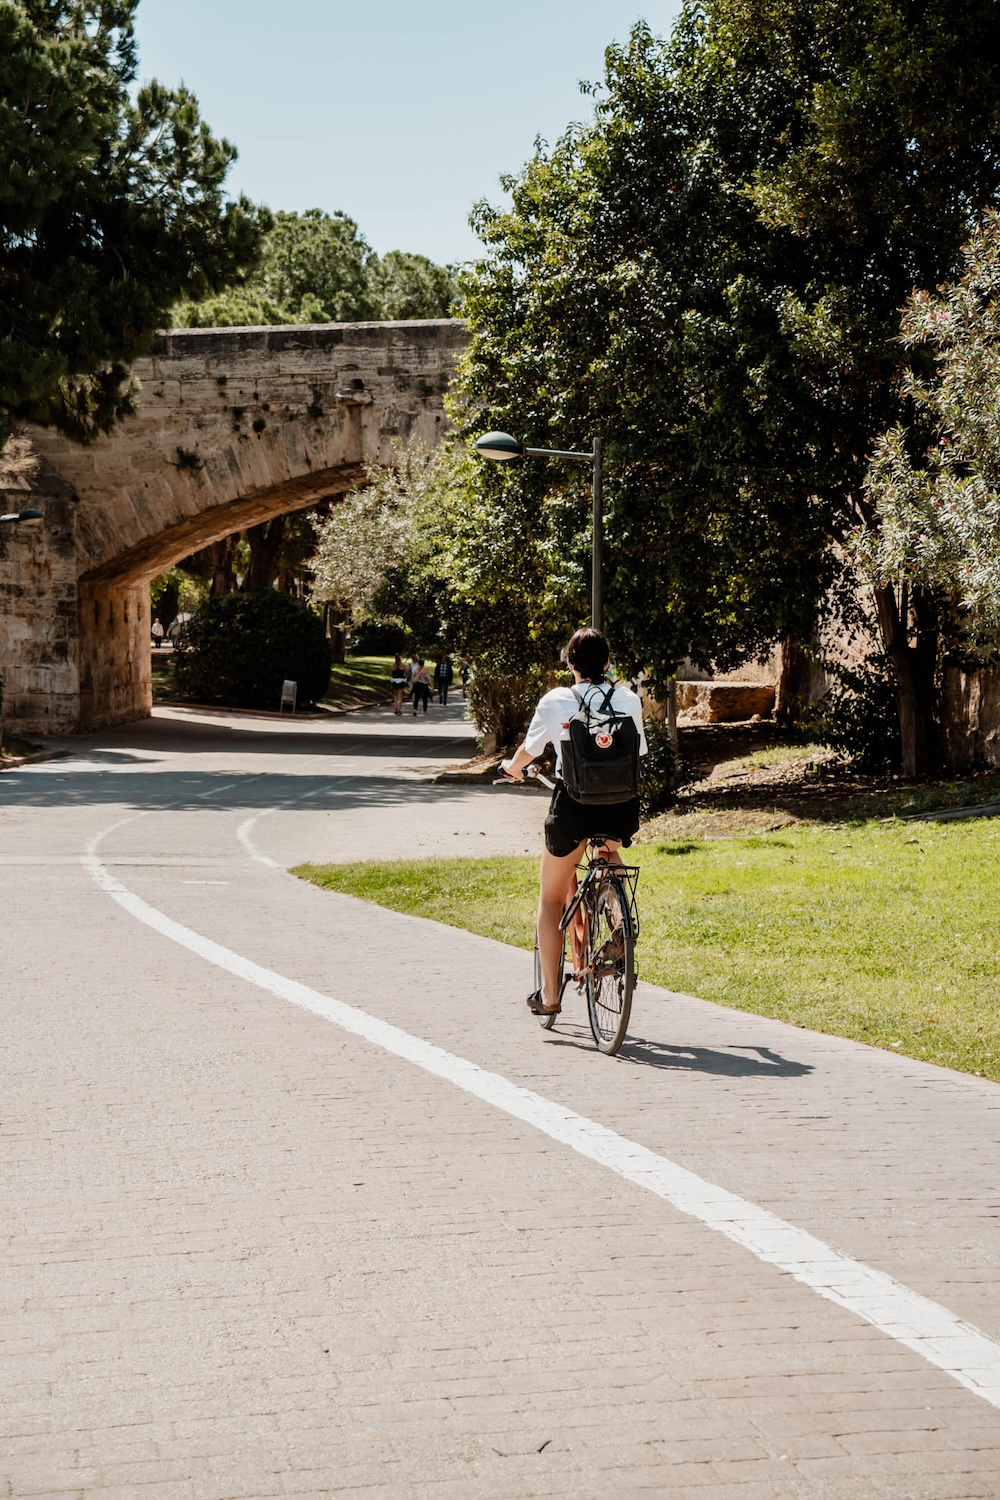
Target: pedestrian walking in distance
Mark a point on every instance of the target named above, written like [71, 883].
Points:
[157, 631]
[421, 688]
[443, 675]
[399, 680]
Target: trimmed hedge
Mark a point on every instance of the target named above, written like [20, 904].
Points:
[239, 649]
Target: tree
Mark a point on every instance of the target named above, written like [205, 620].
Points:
[318, 268]
[314, 268]
[709, 274]
[420, 545]
[111, 208]
[934, 483]
[370, 532]
[411, 286]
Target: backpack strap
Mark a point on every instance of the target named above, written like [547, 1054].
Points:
[585, 705]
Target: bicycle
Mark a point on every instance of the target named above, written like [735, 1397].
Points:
[604, 939]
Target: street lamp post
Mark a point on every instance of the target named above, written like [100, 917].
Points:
[502, 447]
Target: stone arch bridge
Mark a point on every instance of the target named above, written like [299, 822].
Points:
[233, 426]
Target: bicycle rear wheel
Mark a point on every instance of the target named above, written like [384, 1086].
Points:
[547, 1022]
[610, 966]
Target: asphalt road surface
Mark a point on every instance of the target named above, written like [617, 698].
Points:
[299, 1200]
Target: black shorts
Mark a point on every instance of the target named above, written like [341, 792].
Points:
[568, 823]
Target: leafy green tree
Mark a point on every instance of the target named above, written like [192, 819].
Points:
[492, 573]
[709, 274]
[371, 531]
[934, 484]
[318, 268]
[111, 208]
[314, 268]
[411, 286]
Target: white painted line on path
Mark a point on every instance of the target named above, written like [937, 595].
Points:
[243, 834]
[966, 1353]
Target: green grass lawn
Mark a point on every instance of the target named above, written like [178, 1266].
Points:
[885, 932]
[360, 679]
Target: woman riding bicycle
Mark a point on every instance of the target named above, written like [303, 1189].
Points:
[570, 824]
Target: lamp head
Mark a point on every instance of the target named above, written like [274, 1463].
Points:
[31, 514]
[499, 445]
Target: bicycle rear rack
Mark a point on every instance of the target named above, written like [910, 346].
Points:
[626, 877]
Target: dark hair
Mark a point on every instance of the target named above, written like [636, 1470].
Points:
[588, 651]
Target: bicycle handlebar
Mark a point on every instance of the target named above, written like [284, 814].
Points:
[531, 773]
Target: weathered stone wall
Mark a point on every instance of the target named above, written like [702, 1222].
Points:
[38, 610]
[116, 675]
[233, 426]
[970, 715]
[724, 702]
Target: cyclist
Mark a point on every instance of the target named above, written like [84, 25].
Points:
[570, 824]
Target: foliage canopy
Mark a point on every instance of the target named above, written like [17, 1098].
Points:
[111, 208]
[709, 275]
[317, 267]
[935, 482]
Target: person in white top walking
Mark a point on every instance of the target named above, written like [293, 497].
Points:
[570, 824]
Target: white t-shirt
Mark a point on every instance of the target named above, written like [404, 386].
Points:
[555, 710]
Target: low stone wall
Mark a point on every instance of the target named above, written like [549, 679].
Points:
[724, 702]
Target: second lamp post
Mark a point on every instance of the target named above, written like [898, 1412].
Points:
[500, 445]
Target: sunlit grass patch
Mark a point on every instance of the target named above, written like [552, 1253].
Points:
[359, 679]
[887, 932]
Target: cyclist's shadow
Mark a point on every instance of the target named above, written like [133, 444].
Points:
[732, 1063]
[764, 1063]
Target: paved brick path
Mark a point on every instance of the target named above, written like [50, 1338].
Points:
[249, 1255]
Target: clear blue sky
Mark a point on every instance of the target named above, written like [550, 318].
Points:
[401, 114]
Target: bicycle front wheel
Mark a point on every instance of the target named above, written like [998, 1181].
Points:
[610, 966]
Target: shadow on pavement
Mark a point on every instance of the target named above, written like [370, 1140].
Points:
[141, 765]
[188, 791]
[729, 1064]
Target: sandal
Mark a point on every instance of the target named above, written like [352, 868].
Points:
[534, 1004]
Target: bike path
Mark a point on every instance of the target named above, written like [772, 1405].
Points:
[275, 1257]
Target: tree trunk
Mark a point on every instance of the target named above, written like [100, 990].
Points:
[223, 557]
[913, 670]
[265, 543]
[336, 620]
[794, 678]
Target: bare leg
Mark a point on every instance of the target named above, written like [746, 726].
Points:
[558, 878]
[577, 927]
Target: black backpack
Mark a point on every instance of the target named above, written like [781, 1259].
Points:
[600, 760]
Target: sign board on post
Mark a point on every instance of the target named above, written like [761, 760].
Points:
[289, 693]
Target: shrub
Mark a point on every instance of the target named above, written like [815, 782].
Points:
[502, 701]
[239, 649]
[858, 715]
[658, 771]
